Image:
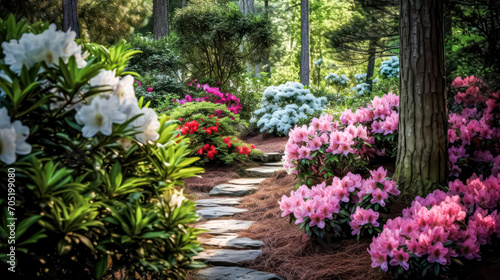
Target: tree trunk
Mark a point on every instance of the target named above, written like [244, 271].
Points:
[247, 6]
[70, 16]
[371, 65]
[304, 42]
[160, 19]
[422, 148]
[268, 60]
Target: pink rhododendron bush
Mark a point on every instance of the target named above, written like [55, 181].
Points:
[440, 228]
[329, 148]
[347, 206]
[474, 129]
[205, 93]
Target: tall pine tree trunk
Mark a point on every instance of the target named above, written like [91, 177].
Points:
[422, 147]
[70, 16]
[304, 42]
[160, 19]
[371, 65]
[268, 60]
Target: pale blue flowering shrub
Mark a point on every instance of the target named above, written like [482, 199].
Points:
[360, 77]
[283, 106]
[390, 67]
[337, 80]
[361, 89]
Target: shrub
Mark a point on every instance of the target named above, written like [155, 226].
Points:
[159, 90]
[213, 95]
[337, 80]
[155, 56]
[347, 206]
[216, 39]
[474, 129]
[212, 137]
[284, 106]
[360, 77]
[390, 67]
[326, 148]
[249, 90]
[92, 170]
[440, 228]
[361, 89]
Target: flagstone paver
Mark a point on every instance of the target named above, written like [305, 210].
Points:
[247, 181]
[224, 226]
[222, 201]
[218, 211]
[235, 273]
[264, 171]
[234, 249]
[278, 163]
[227, 256]
[232, 190]
[231, 241]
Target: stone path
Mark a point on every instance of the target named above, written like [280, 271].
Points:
[229, 250]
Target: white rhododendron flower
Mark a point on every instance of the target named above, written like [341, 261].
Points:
[147, 125]
[99, 116]
[12, 138]
[106, 79]
[48, 46]
[122, 88]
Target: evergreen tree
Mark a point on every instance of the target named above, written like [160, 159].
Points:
[371, 33]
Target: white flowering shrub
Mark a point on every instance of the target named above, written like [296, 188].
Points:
[337, 80]
[390, 67]
[360, 77]
[283, 106]
[361, 89]
[92, 169]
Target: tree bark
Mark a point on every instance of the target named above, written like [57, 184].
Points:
[247, 6]
[70, 16]
[371, 65]
[160, 19]
[422, 146]
[268, 60]
[304, 42]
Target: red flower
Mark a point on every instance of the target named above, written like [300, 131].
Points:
[227, 141]
[200, 151]
[181, 119]
[210, 155]
[206, 147]
[243, 150]
[150, 89]
[252, 147]
[185, 130]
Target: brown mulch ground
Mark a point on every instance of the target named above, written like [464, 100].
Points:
[266, 143]
[288, 252]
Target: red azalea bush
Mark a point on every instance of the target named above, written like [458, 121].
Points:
[212, 137]
[440, 228]
[328, 148]
[347, 206]
[474, 129]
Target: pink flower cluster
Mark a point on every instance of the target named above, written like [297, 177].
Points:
[322, 201]
[215, 96]
[440, 226]
[381, 114]
[474, 129]
[354, 135]
[363, 217]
